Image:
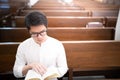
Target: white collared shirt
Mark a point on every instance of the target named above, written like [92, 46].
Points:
[49, 53]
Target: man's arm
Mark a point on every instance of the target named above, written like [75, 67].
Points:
[37, 67]
[62, 61]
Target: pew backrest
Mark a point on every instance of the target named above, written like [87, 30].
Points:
[62, 34]
[83, 13]
[93, 55]
[105, 13]
[7, 56]
[81, 55]
[64, 21]
[111, 21]
[56, 8]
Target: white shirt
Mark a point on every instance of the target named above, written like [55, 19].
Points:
[49, 53]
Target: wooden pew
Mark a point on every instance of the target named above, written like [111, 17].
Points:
[52, 5]
[4, 10]
[62, 34]
[72, 21]
[105, 13]
[56, 8]
[5, 20]
[8, 8]
[93, 58]
[82, 13]
[64, 21]
[101, 9]
[7, 56]
[111, 21]
[16, 5]
[7, 59]
[92, 4]
[84, 57]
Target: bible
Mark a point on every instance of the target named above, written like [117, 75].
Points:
[51, 73]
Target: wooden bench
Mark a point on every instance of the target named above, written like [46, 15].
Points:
[64, 21]
[5, 20]
[85, 58]
[111, 21]
[15, 5]
[7, 56]
[52, 5]
[105, 13]
[7, 59]
[4, 10]
[92, 4]
[56, 8]
[93, 58]
[9, 7]
[62, 34]
[82, 13]
[101, 9]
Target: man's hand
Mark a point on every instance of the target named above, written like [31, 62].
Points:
[39, 68]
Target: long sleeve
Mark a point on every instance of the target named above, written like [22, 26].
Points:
[61, 61]
[19, 63]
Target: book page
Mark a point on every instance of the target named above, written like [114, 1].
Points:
[32, 75]
[51, 73]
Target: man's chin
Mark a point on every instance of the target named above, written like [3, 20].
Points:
[39, 42]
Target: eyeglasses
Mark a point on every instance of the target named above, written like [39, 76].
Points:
[36, 34]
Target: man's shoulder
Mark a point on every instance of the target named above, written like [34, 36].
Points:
[26, 42]
[53, 39]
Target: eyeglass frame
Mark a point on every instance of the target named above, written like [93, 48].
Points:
[36, 34]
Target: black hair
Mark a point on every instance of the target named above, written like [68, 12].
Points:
[35, 18]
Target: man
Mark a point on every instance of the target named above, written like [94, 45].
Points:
[40, 51]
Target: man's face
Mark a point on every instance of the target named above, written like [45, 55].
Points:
[38, 33]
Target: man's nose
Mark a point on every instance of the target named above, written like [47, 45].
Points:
[39, 35]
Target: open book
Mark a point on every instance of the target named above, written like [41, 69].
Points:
[51, 73]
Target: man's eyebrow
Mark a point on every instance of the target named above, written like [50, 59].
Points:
[39, 32]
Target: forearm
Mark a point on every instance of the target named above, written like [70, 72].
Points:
[39, 68]
[25, 69]
[62, 70]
